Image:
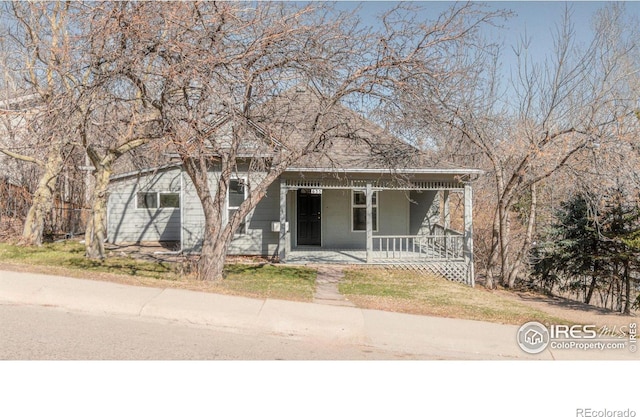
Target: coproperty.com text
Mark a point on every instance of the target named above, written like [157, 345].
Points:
[588, 345]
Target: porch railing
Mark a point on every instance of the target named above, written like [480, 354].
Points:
[423, 247]
[438, 230]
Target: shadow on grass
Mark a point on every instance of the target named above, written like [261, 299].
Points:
[123, 266]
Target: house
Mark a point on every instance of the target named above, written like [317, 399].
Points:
[357, 201]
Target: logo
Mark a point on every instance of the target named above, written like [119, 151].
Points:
[533, 337]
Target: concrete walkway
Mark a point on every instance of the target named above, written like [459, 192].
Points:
[403, 333]
[327, 280]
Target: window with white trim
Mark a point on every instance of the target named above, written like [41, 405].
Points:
[169, 200]
[359, 211]
[236, 194]
[153, 200]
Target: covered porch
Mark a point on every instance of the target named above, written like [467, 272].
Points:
[359, 218]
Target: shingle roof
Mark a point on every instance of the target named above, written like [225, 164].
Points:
[351, 142]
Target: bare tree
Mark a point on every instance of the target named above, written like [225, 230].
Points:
[61, 53]
[116, 119]
[41, 41]
[550, 114]
[225, 85]
[110, 131]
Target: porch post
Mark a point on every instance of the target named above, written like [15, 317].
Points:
[468, 234]
[446, 214]
[283, 243]
[369, 222]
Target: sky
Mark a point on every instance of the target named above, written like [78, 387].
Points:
[536, 19]
[540, 19]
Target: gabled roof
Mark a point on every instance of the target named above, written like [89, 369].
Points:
[258, 142]
[351, 142]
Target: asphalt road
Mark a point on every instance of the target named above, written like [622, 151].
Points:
[34, 332]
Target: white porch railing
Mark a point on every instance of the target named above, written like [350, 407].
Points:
[423, 247]
[438, 230]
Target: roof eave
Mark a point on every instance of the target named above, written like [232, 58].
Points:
[449, 171]
[146, 171]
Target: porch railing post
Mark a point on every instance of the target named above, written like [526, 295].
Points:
[369, 198]
[468, 233]
[283, 242]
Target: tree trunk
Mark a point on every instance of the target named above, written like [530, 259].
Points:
[213, 257]
[493, 255]
[95, 233]
[216, 238]
[42, 202]
[524, 251]
[610, 297]
[592, 287]
[618, 297]
[505, 263]
[627, 289]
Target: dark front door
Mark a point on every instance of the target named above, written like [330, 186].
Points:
[308, 218]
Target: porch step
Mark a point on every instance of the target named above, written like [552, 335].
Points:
[327, 282]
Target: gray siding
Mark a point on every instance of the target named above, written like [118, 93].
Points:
[257, 239]
[336, 221]
[126, 223]
[192, 218]
[424, 212]
[337, 231]
[400, 213]
[394, 213]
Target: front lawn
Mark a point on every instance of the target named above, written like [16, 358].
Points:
[70, 255]
[270, 281]
[375, 288]
[415, 293]
[250, 280]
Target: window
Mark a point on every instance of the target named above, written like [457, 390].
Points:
[147, 200]
[359, 211]
[169, 200]
[154, 200]
[236, 195]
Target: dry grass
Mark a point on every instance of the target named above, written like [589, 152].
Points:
[391, 290]
[414, 293]
[257, 280]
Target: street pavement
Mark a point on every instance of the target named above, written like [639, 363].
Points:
[394, 332]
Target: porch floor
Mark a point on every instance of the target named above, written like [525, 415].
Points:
[310, 254]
